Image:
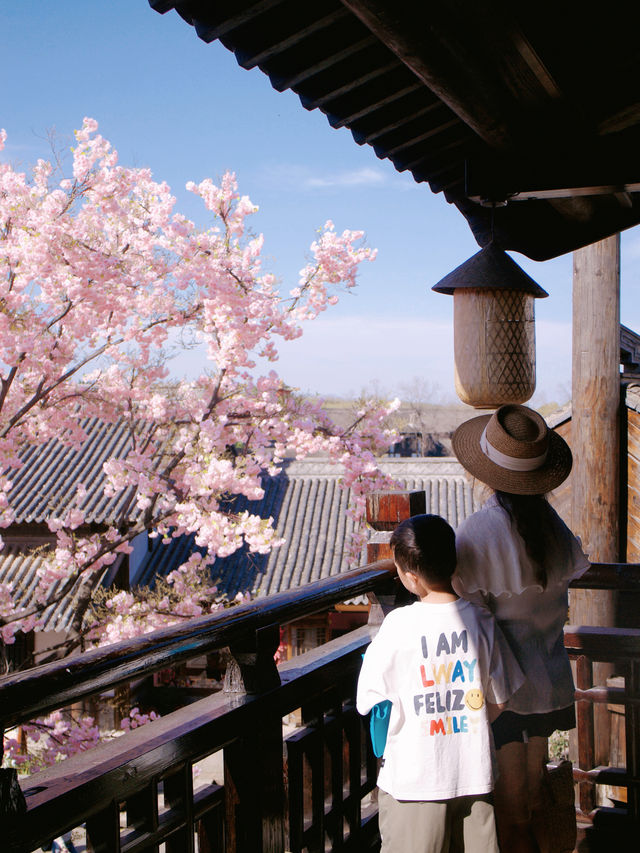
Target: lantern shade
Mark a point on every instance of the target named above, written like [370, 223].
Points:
[493, 329]
[494, 347]
[492, 268]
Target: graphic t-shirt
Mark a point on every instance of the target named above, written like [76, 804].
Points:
[438, 664]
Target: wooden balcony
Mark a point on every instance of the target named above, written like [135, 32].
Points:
[310, 790]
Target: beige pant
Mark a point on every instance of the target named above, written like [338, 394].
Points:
[439, 826]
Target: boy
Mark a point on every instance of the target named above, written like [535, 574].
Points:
[444, 665]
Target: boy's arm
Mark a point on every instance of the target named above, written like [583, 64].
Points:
[372, 682]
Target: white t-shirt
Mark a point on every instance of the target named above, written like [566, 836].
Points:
[437, 663]
[495, 571]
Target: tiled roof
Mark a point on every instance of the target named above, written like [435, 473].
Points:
[19, 564]
[309, 511]
[559, 416]
[630, 352]
[304, 499]
[562, 415]
[633, 397]
[46, 484]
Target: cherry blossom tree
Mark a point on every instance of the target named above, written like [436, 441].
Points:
[60, 735]
[101, 282]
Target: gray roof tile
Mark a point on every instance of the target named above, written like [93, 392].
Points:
[309, 510]
[46, 483]
[305, 500]
[19, 564]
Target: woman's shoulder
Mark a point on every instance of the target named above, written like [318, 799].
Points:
[490, 517]
[569, 561]
[490, 554]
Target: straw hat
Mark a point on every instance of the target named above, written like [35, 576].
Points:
[513, 450]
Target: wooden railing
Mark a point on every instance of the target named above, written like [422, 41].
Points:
[298, 793]
[607, 827]
[311, 790]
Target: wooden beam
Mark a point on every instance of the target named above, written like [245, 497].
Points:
[568, 192]
[430, 48]
[477, 60]
[565, 170]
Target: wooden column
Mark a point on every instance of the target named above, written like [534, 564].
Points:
[595, 435]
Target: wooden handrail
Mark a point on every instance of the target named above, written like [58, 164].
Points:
[602, 644]
[620, 577]
[42, 689]
[87, 788]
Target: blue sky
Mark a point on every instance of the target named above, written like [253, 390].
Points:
[187, 110]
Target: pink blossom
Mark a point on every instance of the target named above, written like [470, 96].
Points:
[101, 280]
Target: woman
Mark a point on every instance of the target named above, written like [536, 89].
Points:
[517, 557]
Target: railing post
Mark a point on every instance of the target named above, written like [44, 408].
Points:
[385, 510]
[586, 734]
[103, 830]
[632, 735]
[253, 763]
[252, 668]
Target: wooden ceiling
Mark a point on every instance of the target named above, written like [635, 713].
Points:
[487, 102]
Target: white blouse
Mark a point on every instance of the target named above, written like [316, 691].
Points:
[494, 570]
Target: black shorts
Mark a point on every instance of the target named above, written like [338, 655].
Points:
[510, 727]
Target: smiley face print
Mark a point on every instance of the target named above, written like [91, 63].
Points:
[474, 699]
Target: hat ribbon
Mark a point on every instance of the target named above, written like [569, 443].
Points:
[511, 463]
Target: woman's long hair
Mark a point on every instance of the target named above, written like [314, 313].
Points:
[531, 515]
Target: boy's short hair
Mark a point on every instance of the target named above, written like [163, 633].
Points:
[425, 545]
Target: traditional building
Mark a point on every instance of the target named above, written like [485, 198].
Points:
[304, 499]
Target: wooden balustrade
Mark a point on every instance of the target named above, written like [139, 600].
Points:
[311, 790]
[136, 792]
[606, 826]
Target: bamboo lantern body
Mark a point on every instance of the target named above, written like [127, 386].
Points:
[494, 346]
[493, 329]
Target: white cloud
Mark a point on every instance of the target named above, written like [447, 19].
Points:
[296, 178]
[356, 178]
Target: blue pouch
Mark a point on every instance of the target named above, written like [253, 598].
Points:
[378, 725]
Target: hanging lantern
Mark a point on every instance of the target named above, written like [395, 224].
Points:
[493, 329]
